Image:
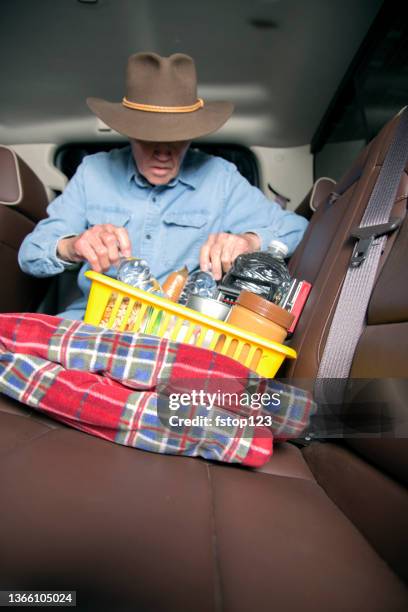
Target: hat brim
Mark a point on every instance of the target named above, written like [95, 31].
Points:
[161, 127]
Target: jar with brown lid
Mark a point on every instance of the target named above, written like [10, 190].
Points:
[259, 316]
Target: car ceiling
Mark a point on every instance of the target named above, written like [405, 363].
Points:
[280, 62]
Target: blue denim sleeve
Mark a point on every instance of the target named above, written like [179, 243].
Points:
[247, 209]
[66, 217]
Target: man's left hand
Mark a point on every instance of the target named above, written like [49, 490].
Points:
[220, 250]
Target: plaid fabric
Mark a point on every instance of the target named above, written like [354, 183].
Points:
[117, 386]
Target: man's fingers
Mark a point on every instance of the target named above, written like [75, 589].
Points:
[239, 248]
[87, 252]
[111, 242]
[221, 250]
[101, 250]
[205, 257]
[120, 233]
[124, 241]
[102, 227]
[215, 259]
[103, 245]
[226, 253]
[231, 247]
[92, 247]
[205, 260]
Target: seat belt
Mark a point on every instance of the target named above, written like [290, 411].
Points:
[348, 320]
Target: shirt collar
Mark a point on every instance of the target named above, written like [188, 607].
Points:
[133, 173]
[186, 174]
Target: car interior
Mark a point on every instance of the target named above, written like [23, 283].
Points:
[319, 89]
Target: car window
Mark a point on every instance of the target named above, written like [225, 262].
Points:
[373, 90]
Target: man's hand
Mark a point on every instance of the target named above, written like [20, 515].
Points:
[220, 250]
[101, 245]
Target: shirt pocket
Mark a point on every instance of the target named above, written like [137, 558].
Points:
[101, 215]
[184, 235]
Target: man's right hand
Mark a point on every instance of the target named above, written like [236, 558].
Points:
[101, 245]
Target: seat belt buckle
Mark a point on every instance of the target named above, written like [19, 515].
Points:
[367, 235]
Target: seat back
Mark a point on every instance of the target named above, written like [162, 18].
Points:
[323, 258]
[23, 202]
[371, 470]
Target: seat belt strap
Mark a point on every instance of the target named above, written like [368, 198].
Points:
[348, 320]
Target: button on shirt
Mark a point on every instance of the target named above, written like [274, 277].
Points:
[167, 224]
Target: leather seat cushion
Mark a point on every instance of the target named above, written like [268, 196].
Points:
[123, 526]
[375, 502]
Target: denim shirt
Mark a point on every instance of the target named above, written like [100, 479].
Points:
[167, 224]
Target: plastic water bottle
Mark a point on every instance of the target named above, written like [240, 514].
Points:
[136, 272]
[199, 283]
[262, 272]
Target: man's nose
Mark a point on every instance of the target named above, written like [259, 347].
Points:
[162, 150]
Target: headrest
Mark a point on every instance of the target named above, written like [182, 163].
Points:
[320, 192]
[20, 187]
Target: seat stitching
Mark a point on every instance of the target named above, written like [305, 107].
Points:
[218, 603]
[24, 443]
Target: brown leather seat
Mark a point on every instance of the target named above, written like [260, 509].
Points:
[322, 259]
[365, 477]
[23, 202]
[132, 530]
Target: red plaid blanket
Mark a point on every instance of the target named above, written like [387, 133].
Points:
[146, 392]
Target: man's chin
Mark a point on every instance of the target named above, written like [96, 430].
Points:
[156, 179]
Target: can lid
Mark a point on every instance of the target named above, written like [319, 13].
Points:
[263, 307]
[208, 306]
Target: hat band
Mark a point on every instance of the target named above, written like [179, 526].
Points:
[151, 108]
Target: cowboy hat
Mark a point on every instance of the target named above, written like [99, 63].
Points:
[161, 103]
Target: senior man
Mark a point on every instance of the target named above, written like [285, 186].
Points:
[156, 199]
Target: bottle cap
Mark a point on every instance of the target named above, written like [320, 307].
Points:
[277, 245]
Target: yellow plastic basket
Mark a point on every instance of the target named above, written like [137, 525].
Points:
[118, 306]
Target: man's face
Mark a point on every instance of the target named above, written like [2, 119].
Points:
[159, 162]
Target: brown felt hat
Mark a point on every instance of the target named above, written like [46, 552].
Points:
[161, 103]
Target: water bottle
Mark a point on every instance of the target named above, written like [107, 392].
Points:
[199, 283]
[262, 272]
[136, 272]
